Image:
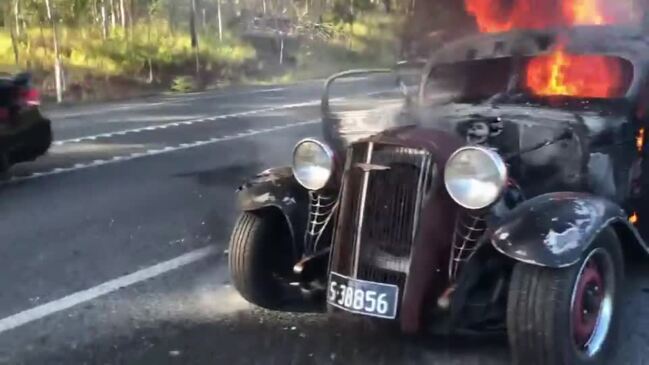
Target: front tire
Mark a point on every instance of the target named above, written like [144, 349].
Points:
[260, 258]
[567, 316]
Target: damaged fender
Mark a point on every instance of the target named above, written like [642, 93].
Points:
[554, 230]
[277, 188]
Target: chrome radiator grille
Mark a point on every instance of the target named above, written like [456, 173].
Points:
[379, 213]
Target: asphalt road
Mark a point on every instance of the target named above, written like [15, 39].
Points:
[114, 246]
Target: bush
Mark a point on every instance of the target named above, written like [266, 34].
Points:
[183, 84]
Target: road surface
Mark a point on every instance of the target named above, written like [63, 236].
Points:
[114, 246]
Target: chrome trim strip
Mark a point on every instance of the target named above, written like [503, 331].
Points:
[427, 167]
[361, 211]
[424, 170]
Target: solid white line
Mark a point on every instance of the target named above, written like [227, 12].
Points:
[47, 309]
[155, 152]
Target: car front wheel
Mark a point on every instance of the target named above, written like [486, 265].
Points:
[260, 258]
[567, 316]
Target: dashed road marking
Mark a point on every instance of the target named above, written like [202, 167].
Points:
[201, 120]
[183, 123]
[184, 98]
[158, 151]
[72, 300]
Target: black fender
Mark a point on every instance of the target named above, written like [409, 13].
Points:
[277, 188]
[554, 230]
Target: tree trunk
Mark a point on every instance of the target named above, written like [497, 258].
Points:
[172, 16]
[122, 8]
[149, 62]
[387, 4]
[104, 20]
[131, 18]
[57, 56]
[194, 35]
[14, 44]
[17, 17]
[113, 15]
[42, 40]
[218, 9]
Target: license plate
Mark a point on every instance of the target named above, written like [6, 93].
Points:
[363, 297]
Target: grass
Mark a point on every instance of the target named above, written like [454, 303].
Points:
[128, 58]
[119, 54]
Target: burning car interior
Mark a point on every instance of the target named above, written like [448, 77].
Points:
[511, 187]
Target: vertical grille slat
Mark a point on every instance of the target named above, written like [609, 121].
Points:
[469, 228]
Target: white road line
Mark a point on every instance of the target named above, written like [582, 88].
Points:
[184, 122]
[200, 120]
[155, 152]
[47, 309]
[142, 104]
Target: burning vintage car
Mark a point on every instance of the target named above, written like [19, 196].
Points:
[505, 197]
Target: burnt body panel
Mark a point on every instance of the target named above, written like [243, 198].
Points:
[555, 229]
[277, 188]
[596, 158]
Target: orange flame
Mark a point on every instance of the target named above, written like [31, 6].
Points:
[639, 140]
[500, 15]
[634, 218]
[585, 12]
[564, 74]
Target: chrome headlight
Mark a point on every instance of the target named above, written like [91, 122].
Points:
[313, 163]
[475, 177]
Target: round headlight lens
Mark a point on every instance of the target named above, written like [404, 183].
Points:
[313, 164]
[475, 177]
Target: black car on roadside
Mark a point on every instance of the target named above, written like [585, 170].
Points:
[25, 134]
[505, 197]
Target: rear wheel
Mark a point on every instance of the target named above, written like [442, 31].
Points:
[261, 258]
[567, 316]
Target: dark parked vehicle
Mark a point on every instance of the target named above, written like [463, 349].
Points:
[505, 197]
[25, 134]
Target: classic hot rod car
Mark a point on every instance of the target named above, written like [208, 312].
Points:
[506, 195]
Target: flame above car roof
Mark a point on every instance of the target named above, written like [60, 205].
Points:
[629, 42]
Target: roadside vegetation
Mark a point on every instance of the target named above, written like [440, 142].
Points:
[101, 49]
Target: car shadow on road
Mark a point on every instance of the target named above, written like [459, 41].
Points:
[227, 176]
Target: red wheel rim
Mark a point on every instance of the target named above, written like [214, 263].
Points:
[592, 303]
[589, 294]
